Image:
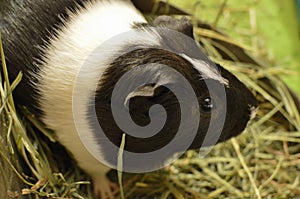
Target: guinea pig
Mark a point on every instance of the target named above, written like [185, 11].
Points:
[87, 62]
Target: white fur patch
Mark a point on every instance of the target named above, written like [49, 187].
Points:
[207, 71]
[86, 30]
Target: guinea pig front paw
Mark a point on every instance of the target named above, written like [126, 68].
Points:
[104, 188]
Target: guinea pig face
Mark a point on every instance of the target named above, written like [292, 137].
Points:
[230, 114]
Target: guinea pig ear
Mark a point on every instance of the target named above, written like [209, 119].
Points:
[147, 92]
[183, 25]
[143, 91]
[143, 95]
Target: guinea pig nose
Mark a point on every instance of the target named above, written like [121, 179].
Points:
[207, 104]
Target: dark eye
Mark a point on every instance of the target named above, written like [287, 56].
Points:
[207, 104]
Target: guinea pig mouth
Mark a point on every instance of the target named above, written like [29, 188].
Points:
[239, 127]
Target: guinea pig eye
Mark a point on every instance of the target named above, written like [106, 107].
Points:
[207, 104]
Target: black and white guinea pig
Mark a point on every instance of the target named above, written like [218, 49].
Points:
[49, 41]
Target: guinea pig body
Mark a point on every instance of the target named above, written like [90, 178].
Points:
[50, 42]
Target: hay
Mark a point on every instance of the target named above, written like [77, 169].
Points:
[261, 163]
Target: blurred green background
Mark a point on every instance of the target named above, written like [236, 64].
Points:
[271, 27]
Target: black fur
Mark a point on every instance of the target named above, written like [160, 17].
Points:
[183, 25]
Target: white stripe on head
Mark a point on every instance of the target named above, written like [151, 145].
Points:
[207, 71]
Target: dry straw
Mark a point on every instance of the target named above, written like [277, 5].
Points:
[261, 163]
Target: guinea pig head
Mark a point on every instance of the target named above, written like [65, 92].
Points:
[222, 110]
[167, 95]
